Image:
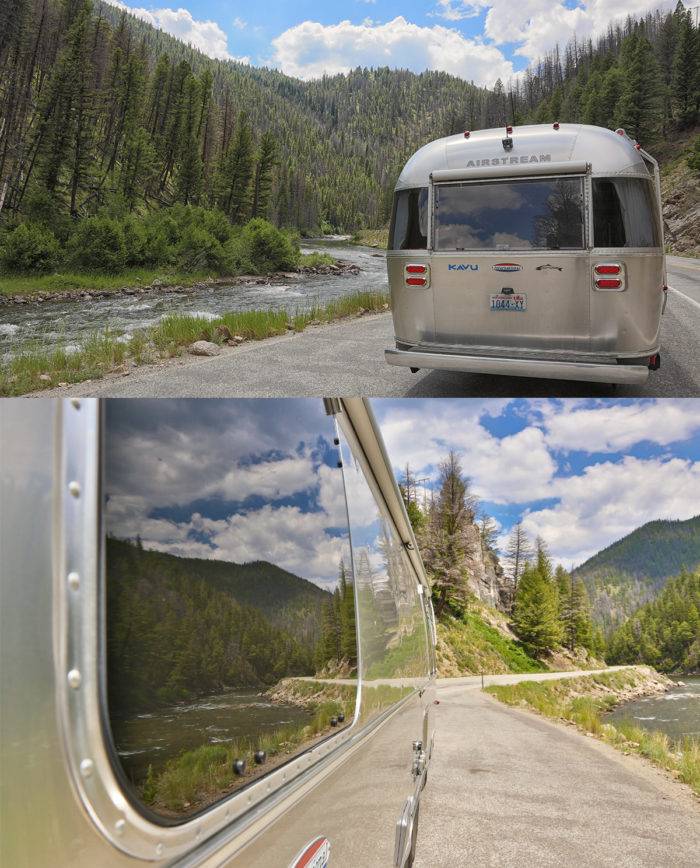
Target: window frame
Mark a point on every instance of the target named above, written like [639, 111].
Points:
[655, 213]
[584, 179]
[80, 679]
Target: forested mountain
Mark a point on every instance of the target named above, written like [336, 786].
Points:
[100, 111]
[196, 626]
[665, 632]
[632, 570]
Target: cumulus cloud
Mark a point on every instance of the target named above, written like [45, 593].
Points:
[206, 36]
[614, 427]
[536, 26]
[311, 49]
[607, 501]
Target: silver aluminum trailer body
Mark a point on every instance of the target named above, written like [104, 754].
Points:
[536, 251]
[61, 801]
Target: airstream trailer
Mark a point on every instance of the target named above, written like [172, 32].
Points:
[168, 570]
[531, 251]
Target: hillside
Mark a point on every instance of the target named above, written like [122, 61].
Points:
[197, 626]
[631, 571]
[102, 112]
[665, 632]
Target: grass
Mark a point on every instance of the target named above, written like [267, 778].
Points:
[313, 260]
[205, 773]
[89, 281]
[378, 238]
[583, 700]
[104, 352]
[467, 644]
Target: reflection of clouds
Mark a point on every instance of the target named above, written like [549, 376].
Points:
[509, 239]
[458, 202]
[160, 460]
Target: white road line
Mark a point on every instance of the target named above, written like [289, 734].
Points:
[685, 297]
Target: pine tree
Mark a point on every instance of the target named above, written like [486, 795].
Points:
[640, 107]
[264, 168]
[685, 71]
[236, 173]
[348, 634]
[518, 552]
[447, 547]
[535, 614]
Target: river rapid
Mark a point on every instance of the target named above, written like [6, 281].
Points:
[677, 712]
[155, 737]
[66, 323]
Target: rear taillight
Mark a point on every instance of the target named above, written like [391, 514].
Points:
[417, 274]
[608, 275]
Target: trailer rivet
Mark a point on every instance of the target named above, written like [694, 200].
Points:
[86, 768]
[74, 488]
[159, 849]
[119, 826]
[75, 403]
[74, 679]
[73, 581]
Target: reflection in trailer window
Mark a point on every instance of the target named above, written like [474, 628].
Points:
[545, 213]
[227, 569]
[393, 638]
[625, 213]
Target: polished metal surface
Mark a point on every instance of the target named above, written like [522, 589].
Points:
[60, 801]
[565, 311]
[542, 368]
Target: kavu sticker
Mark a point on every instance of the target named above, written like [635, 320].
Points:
[316, 854]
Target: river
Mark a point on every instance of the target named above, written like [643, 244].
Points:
[47, 324]
[677, 713]
[153, 738]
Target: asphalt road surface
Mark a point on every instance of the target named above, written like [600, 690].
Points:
[347, 358]
[508, 788]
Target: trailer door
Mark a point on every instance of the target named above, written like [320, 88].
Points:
[510, 266]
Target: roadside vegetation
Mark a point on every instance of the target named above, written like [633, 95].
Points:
[105, 352]
[583, 702]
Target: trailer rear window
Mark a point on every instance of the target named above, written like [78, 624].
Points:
[409, 220]
[510, 215]
[625, 213]
[228, 569]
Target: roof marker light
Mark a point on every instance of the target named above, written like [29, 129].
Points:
[638, 146]
[556, 125]
[620, 131]
[466, 134]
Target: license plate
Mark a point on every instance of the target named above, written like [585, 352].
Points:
[509, 302]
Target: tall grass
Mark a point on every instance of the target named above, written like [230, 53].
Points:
[103, 352]
[583, 700]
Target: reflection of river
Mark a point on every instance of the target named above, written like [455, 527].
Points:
[153, 738]
[677, 713]
[67, 322]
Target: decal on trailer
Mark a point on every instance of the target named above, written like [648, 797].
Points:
[316, 854]
[462, 266]
[507, 266]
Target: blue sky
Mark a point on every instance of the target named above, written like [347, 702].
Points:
[581, 473]
[478, 40]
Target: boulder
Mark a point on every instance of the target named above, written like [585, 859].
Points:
[204, 348]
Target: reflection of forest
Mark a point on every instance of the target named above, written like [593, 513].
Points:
[562, 225]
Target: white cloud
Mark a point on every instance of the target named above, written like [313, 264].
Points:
[608, 501]
[615, 427]
[206, 36]
[310, 50]
[536, 26]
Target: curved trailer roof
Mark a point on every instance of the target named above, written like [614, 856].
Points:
[609, 153]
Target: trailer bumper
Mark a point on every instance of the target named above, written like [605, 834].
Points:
[591, 372]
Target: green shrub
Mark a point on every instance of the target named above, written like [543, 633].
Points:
[199, 250]
[269, 248]
[98, 243]
[31, 248]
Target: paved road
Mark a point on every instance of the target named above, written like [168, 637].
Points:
[347, 358]
[507, 788]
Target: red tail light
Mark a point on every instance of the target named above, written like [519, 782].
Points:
[416, 274]
[509, 130]
[416, 269]
[416, 281]
[609, 283]
[608, 269]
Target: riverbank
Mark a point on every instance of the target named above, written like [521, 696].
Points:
[106, 353]
[582, 701]
[86, 287]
